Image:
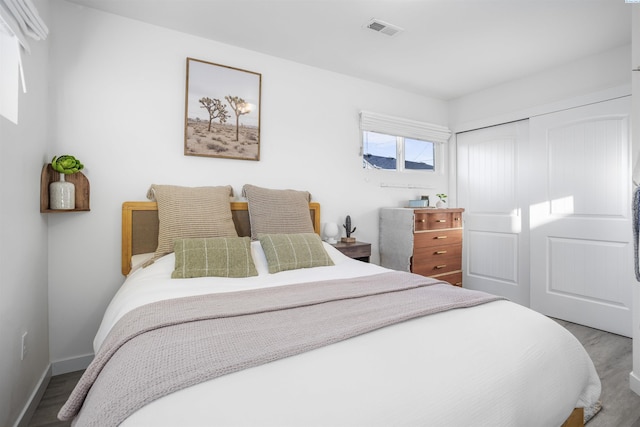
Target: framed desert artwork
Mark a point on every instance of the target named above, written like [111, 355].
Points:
[222, 114]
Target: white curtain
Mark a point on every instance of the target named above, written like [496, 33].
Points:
[398, 126]
[10, 69]
[19, 19]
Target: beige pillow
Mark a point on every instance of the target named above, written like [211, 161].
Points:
[293, 251]
[191, 212]
[277, 211]
[214, 257]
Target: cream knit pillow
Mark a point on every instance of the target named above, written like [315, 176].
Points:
[277, 211]
[191, 212]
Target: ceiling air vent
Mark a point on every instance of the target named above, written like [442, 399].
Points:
[383, 27]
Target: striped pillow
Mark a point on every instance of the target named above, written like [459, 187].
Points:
[293, 251]
[214, 257]
[277, 211]
[191, 212]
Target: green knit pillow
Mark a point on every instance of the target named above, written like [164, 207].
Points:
[293, 251]
[213, 257]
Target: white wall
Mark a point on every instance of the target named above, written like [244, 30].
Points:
[589, 79]
[23, 233]
[118, 105]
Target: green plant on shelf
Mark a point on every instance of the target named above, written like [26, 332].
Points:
[66, 164]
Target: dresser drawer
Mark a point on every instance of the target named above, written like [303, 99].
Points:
[438, 253]
[432, 221]
[432, 261]
[428, 239]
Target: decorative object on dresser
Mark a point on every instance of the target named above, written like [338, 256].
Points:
[63, 188]
[423, 241]
[356, 250]
[423, 202]
[347, 226]
[442, 202]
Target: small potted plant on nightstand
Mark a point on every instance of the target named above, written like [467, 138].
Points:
[443, 200]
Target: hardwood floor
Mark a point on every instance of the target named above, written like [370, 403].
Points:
[611, 356]
[54, 397]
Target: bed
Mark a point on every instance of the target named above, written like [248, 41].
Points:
[491, 363]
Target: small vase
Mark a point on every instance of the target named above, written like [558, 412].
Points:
[62, 194]
[440, 204]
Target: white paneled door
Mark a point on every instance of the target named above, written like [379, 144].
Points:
[580, 215]
[491, 172]
[547, 219]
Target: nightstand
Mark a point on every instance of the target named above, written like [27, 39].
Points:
[356, 250]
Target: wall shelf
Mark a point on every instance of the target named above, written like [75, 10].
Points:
[78, 179]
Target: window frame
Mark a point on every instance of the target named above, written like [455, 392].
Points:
[400, 154]
[406, 128]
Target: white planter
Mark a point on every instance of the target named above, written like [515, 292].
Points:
[62, 194]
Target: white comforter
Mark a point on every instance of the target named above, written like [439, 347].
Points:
[497, 364]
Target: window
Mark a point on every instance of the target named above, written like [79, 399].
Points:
[382, 151]
[397, 144]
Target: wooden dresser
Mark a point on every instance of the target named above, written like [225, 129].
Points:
[425, 241]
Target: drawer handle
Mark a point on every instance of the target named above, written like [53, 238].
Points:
[439, 267]
[441, 252]
[441, 237]
[441, 220]
[456, 219]
[422, 220]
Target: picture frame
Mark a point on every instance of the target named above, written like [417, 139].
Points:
[222, 111]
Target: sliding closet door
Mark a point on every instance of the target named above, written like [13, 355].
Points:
[580, 216]
[491, 172]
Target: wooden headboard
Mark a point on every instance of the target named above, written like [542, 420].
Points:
[140, 227]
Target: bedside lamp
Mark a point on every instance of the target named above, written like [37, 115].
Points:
[331, 231]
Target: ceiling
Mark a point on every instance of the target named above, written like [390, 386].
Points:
[448, 48]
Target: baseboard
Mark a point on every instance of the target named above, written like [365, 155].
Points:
[74, 364]
[634, 383]
[34, 399]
